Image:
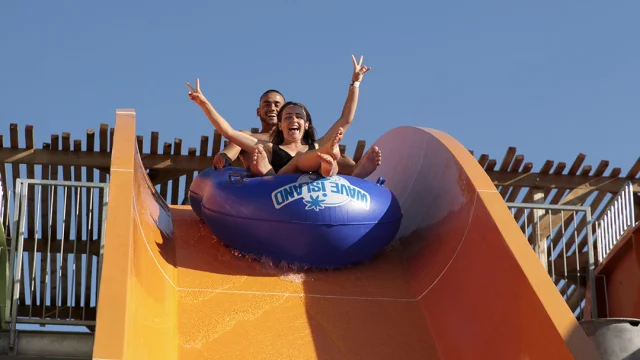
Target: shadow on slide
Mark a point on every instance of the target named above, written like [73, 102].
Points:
[459, 282]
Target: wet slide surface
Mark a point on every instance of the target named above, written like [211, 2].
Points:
[460, 282]
[229, 306]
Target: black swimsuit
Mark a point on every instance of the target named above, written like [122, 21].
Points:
[280, 158]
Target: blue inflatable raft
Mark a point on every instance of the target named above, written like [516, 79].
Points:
[302, 219]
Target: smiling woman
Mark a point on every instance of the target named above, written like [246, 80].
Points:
[280, 211]
[293, 147]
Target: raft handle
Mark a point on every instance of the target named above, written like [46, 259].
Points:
[235, 178]
[381, 181]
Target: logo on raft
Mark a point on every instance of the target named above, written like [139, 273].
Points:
[320, 192]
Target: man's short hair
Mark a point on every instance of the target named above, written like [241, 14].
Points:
[271, 91]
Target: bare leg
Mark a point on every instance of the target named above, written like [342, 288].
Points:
[310, 161]
[328, 166]
[369, 163]
[346, 165]
[260, 165]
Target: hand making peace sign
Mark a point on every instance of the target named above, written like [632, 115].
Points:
[196, 95]
[358, 69]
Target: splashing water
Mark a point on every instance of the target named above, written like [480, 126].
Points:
[293, 272]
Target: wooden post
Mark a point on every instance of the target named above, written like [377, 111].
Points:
[540, 244]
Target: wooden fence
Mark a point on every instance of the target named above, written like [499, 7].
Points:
[172, 169]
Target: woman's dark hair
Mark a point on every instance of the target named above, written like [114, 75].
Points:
[309, 136]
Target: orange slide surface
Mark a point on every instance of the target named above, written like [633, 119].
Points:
[460, 281]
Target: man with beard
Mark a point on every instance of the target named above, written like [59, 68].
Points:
[270, 103]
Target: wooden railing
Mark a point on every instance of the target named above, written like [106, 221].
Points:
[62, 158]
[172, 169]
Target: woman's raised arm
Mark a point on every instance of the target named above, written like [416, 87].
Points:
[244, 141]
[349, 109]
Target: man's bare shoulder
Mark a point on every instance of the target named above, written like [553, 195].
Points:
[259, 136]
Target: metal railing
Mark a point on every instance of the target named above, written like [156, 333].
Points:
[55, 256]
[561, 236]
[4, 265]
[1, 199]
[616, 219]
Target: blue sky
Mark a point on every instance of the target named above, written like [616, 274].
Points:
[551, 78]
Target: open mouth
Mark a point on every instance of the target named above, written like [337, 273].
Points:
[294, 129]
[272, 115]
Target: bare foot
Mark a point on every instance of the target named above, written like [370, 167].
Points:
[260, 163]
[328, 166]
[369, 163]
[331, 148]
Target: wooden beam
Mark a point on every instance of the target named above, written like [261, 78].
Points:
[5, 194]
[557, 181]
[490, 165]
[90, 213]
[215, 146]
[515, 190]
[357, 155]
[540, 246]
[103, 146]
[189, 178]
[483, 159]
[635, 169]
[100, 159]
[514, 168]
[164, 186]
[175, 183]
[508, 158]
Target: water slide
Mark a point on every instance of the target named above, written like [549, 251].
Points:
[459, 282]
